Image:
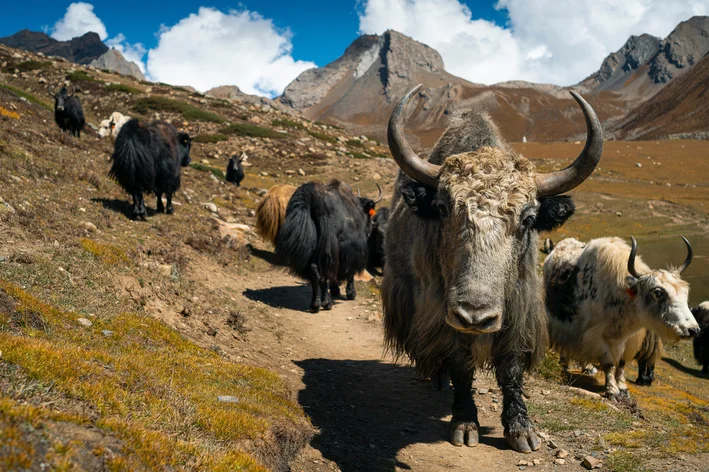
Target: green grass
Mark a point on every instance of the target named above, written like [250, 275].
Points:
[210, 138]
[27, 96]
[355, 143]
[123, 88]
[622, 461]
[247, 129]
[163, 104]
[285, 123]
[204, 168]
[27, 66]
[80, 76]
[323, 137]
[359, 155]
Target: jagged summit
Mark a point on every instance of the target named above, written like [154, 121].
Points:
[81, 50]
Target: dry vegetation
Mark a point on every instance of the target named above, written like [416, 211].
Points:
[171, 328]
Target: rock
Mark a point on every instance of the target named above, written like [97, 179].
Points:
[90, 226]
[618, 214]
[85, 322]
[562, 454]
[376, 176]
[544, 436]
[264, 174]
[301, 172]
[107, 333]
[251, 213]
[559, 461]
[637, 164]
[537, 462]
[211, 207]
[552, 444]
[205, 161]
[165, 269]
[523, 463]
[227, 399]
[483, 391]
[289, 172]
[591, 463]
[42, 80]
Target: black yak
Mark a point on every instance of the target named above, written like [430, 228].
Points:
[68, 113]
[461, 286]
[701, 342]
[147, 158]
[324, 238]
[375, 242]
[234, 170]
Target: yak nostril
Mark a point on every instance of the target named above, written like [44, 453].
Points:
[694, 332]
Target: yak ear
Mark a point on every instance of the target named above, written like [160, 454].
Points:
[420, 198]
[553, 212]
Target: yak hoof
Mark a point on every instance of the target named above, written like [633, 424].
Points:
[441, 381]
[524, 443]
[351, 294]
[643, 380]
[464, 433]
[327, 305]
[170, 210]
[335, 291]
[314, 308]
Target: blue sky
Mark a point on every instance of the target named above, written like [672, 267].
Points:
[247, 44]
[322, 30]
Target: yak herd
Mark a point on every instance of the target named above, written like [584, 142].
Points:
[457, 252]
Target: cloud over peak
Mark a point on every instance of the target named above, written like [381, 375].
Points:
[78, 20]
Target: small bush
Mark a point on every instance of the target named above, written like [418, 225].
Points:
[27, 96]
[27, 66]
[359, 155]
[204, 168]
[355, 143]
[195, 114]
[80, 76]
[164, 104]
[123, 88]
[247, 129]
[210, 138]
[110, 255]
[284, 123]
[323, 137]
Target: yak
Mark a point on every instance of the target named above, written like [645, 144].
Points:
[375, 242]
[324, 239]
[147, 158]
[234, 169]
[271, 212]
[600, 296]
[112, 126]
[68, 113]
[460, 286]
[701, 342]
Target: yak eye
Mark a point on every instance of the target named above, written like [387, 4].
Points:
[529, 221]
[442, 209]
[658, 293]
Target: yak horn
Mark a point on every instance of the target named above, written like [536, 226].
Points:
[381, 195]
[51, 92]
[415, 167]
[192, 136]
[358, 193]
[631, 259]
[690, 253]
[561, 181]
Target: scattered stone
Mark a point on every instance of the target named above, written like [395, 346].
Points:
[552, 444]
[186, 311]
[85, 322]
[90, 226]
[544, 436]
[107, 333]
[289, 172]
[637, 164]
[562, 454]
[301, 172]
[590, 463]
[165, 269]
[264, 174]
[523, 463]
[483, 391]
[602, 442]
[227, 399]
[537, 462]
[251, 213]
[377, 176]
[211, 207]
[559, 461]
[577, 433]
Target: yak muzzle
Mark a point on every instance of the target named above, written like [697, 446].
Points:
[475, 319]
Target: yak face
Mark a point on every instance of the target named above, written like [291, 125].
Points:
[661, 298]
[487, 210]
[184, 144]
[61, 99]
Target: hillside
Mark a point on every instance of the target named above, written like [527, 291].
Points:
[176, 343]
[361, 88]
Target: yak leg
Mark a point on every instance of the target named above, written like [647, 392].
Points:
[519, 432]
[464, 425]
[315, 283]
[645, 376]
[169, 209]
[441, 379]
[139, 212]
[325, 294]
[620, 379]
[160, 206]
[335, 290]
[612, 390]
[705, 369]
[350, 289]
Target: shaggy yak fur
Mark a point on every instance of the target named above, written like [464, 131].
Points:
[234, 170]
[701, 342]
[375, 243]
[271, 212]
[598, 312]
[68, 113]
[147, 158]
[324, 239]
[472, 237]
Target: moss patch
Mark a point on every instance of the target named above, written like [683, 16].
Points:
[204, 168]
[210, 138]
[323, 137]
[247, 129]
[106, 253]
[123, 88]
[163, 104]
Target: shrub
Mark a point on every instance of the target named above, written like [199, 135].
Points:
[27, 96]
[195, 114]
[359, 155]
[323, 137]
[204, 168]
[210, 138]
[164, 104]
[27, 66]
[123, 88]
[355, 143]
[247, 129]
[284, 123]
[80, 76]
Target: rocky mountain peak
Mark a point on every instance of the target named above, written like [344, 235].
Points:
[684, 47]
[113, 60]
[81, 50]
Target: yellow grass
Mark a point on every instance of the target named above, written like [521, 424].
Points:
[9, 113]
[106, 253]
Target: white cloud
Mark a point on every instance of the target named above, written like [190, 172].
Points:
[78, 20]
[132, 52]
[553, 41]
[213, 48]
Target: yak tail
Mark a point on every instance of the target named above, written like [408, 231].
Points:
[297, 239]
[651, 349]
[133, 167]
[271, 212]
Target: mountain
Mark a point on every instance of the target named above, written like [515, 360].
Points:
[360, 88]
[113, 60]
[81, 50]
[645, 64]
[681, 109]
[232, 92]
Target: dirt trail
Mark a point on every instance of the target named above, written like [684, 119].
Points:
[374, 414]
